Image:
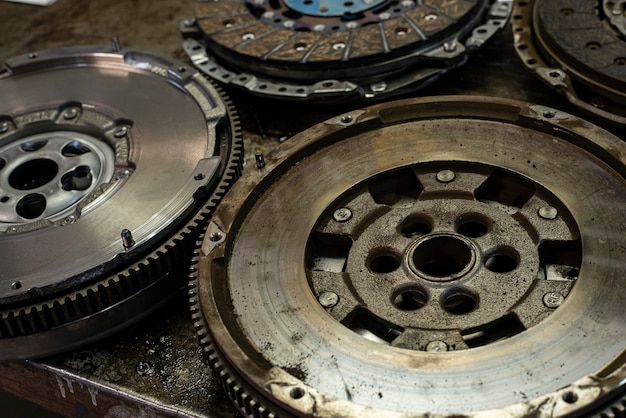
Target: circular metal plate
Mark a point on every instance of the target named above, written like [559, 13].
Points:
[443, 270]
[324, 49]
[105, 156]
[578, 49]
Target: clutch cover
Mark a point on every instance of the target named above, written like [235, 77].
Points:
[446, 256]
[577, 48]
[326, 50]
[110, 162]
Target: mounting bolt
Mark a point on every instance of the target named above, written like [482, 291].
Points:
[189, 22]
[449, 46]
[70, 113]
[553, 299]
[445, 176]
[69, 220]
[436, 347]
[127, 239]
[260, 159]
[548, 212]
[342, 215]
[4, 126]
[328, 299]
[120, 132]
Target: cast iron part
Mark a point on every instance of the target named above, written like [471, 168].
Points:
[577, 48]
[110, 162]
[319, 50]
[445, 270]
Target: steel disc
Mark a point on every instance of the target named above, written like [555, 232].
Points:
[107, 159]
[323, 49]
[444, 270]
[577, 48]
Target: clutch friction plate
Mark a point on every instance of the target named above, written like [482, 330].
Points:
[325, 50]
[578, 48]
[447, 256]
[110, 162]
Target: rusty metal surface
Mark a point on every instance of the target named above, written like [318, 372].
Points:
[157, 363]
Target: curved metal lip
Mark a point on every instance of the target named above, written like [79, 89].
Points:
[279, 388]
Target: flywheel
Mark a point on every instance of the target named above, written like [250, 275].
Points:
[110, 162]
[446, 256]
[577, 48]
[326, 50]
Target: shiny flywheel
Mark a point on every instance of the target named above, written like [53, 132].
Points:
[110, 162]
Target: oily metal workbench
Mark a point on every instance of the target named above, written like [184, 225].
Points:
[155, 368]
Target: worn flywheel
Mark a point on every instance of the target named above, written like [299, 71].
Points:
[579, 49]
[330, 50]
[110, 163]
[446, 256]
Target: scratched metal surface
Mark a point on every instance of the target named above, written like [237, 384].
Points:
[158, 361]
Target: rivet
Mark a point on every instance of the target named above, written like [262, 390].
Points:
[4, 126]
[70, 113]
[553, 299]
[445, 176]
[342, 215]
[328, 299]
[436, 347]
[120, 132]
[548, 212]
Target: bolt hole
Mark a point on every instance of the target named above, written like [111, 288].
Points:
[503, 260]
[4, 199]
[384, 262]
[300, 46]
[296, 393]
[572, 273]
[567, 12]
[182, 69]
[473, 225]
[554, 74]
[16, 285]
[33, 146]
[619, 61]
[415, 226]
[2, 163]
[410, 299]
[570, 397]
[522, 47]
[593, 46]
[31, 206]
[74, 149]
[32, 56]
[459, 301]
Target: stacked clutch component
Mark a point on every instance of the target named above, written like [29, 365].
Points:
[317, 49]
[415, 258]
[577, 48]
[110, 162]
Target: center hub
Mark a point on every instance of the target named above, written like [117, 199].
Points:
[441, 257]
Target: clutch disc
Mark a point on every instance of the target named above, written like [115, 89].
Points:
[414, 258]
[109, 163]
[578, 49]
[316, 50]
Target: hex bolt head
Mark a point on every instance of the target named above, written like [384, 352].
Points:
[553, 299]
[328, 299]
[437, 347]
[449, 46]
[342, 215]
[548, 212]
[127, 239]
[445, 176]
[260, 159]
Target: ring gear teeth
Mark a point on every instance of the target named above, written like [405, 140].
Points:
[96, 305]
[259, 274]
[269, 48]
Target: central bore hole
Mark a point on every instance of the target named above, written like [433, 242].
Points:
[33, 174]
[442, 256]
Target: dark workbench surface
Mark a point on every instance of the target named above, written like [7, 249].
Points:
[155, 367]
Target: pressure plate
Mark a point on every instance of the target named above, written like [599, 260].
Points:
[110, 160]
[579, 49]
[317, 49]
[447, 256]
